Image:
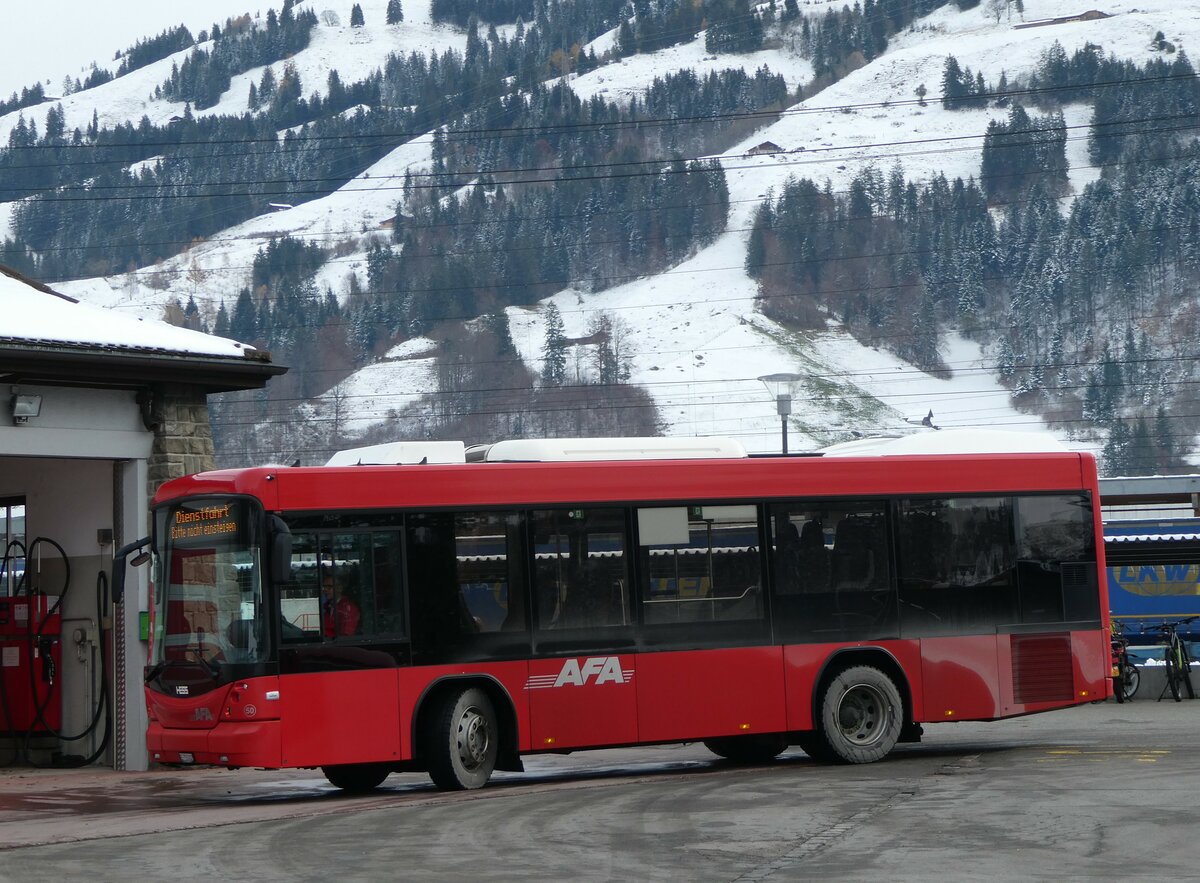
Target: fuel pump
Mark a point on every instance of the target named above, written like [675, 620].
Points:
[31, 646]
[30, 662]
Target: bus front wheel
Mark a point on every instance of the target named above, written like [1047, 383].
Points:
[462, 740]
[861, 715]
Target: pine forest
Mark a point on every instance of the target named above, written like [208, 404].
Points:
[1066, 252]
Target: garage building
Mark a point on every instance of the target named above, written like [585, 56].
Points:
[96, 410]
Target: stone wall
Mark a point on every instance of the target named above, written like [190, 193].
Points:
[183, 442]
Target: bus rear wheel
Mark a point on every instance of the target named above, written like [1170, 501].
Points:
[461, 741]
[751, 748]
[356, 778]
[861, 715]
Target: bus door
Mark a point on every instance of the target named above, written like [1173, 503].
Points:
[708, 668]
[342, 647]
[581, 687]
[957, 588]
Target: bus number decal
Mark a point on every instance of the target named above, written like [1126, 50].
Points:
[575, 673]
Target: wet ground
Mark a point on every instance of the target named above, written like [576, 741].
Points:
[1100, 791]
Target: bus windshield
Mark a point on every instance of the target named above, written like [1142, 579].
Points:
[208, 598]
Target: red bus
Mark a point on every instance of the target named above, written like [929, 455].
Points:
[501, 609]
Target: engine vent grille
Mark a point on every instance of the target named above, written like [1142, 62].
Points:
[1042, 669]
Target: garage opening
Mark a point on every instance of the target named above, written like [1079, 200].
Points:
[58, 517]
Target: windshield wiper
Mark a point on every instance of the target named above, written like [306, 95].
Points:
[155, 670]
[211, 667]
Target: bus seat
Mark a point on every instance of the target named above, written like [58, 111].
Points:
[853, 557]
[812, 558]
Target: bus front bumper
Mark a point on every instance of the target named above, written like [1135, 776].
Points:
[229, 743]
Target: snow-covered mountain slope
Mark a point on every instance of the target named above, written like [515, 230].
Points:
[354, 52]
[698, 339]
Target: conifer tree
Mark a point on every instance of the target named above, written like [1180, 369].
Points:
[1115, 455]
[497, 324]
[1162, 435]
[266, 85]
[395, 14]
[243, 325]
[956, 86]
[356, 16]
[626, 40]
[554, 350]
[221, 325]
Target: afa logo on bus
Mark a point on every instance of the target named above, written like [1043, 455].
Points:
[595, 670]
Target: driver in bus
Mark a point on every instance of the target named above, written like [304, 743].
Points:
[339, 614]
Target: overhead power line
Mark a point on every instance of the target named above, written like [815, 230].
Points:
[640, 123]
[425, 225]
[641, 168]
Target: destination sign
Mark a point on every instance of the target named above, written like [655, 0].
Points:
[206, 522]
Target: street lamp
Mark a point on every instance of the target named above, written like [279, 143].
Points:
[780, 386]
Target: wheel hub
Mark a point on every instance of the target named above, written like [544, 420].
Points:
[472, 738]
[862, 714]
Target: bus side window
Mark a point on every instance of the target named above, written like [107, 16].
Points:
[700, 564]
[387, 573]
[955, 560]
[300, 600]
[353, 607]
[831, 570]
[580, 568]
[438, 616]
[802, 562]
[1056, 568]
[490, 600]
[465, 582]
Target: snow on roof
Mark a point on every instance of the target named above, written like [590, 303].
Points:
[34, 313]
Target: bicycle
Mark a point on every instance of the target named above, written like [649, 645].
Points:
[1179, 664]
[1125, 675]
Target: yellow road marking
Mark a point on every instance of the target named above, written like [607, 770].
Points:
[1095, 755]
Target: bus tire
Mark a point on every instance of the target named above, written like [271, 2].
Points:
[751, 748]
[813, 744]
[462, 740]
[356, 778]
[861, 715]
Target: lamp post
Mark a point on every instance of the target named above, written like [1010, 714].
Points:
[780, 386]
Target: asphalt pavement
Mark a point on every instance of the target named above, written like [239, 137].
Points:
[1105, 791]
